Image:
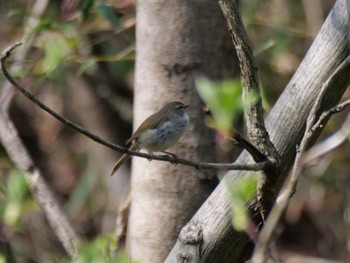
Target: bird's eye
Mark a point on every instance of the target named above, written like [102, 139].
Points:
[180, 107]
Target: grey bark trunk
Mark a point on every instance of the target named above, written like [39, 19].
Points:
[175, 41]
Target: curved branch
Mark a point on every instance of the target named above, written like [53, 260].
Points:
[165, 158]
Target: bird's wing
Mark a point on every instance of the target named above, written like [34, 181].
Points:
[156, 120]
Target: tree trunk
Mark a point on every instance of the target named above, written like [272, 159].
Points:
[176, 40]
[285, 124]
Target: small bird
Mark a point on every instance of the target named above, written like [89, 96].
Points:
[159, 131]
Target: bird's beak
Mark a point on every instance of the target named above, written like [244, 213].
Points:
[186, 106]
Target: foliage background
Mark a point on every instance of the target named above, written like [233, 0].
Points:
[81, 64]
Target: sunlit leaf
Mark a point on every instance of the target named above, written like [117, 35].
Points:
[243, 191]
[89, 63]
[224, 100]
[100, 250]
[265, 46]
[15, 192]
[264, 100]
[12, 212]
[81, 193]
[44, 24]
[16, 186]
[56, 48]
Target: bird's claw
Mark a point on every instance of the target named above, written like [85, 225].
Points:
[151, 157]
[175, 161]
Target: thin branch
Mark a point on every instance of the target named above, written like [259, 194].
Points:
[257, 132]
[240, 141]
[268, 232]
[325, 115]
[164, 158]
[28, 37]
[329, 144]
[38, 187]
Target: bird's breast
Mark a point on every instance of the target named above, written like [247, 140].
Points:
[164, 135]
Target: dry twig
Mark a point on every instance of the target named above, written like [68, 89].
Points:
[331, 142]
[38, 187]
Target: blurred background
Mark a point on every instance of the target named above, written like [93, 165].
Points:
[78, 58]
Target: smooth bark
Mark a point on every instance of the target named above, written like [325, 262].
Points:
[176, 40]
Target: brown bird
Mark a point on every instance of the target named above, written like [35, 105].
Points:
[159, 131]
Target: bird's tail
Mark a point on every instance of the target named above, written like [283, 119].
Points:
[123, 159]
[120, 162]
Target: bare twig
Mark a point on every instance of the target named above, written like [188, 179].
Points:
[267, 234]
[240, 141]
[257, 132]
[28, 37]
[40, 190]
[328, 144]
[164, 158]
[340, 107]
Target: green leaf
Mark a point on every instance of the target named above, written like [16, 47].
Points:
[243, 190]
[16, 186]
[265, 46]
[82, 192]
[2, 258]
[15, 193]
[100, 250]
[89, 63]
[57, 47]
[44, 24]
[224, 99]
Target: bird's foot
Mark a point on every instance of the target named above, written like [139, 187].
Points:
[175, 160]
[151, 156]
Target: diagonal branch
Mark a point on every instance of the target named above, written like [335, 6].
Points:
[38, 187]
[340, 107]
[268, 232]
[165, 158]
[334, 140]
